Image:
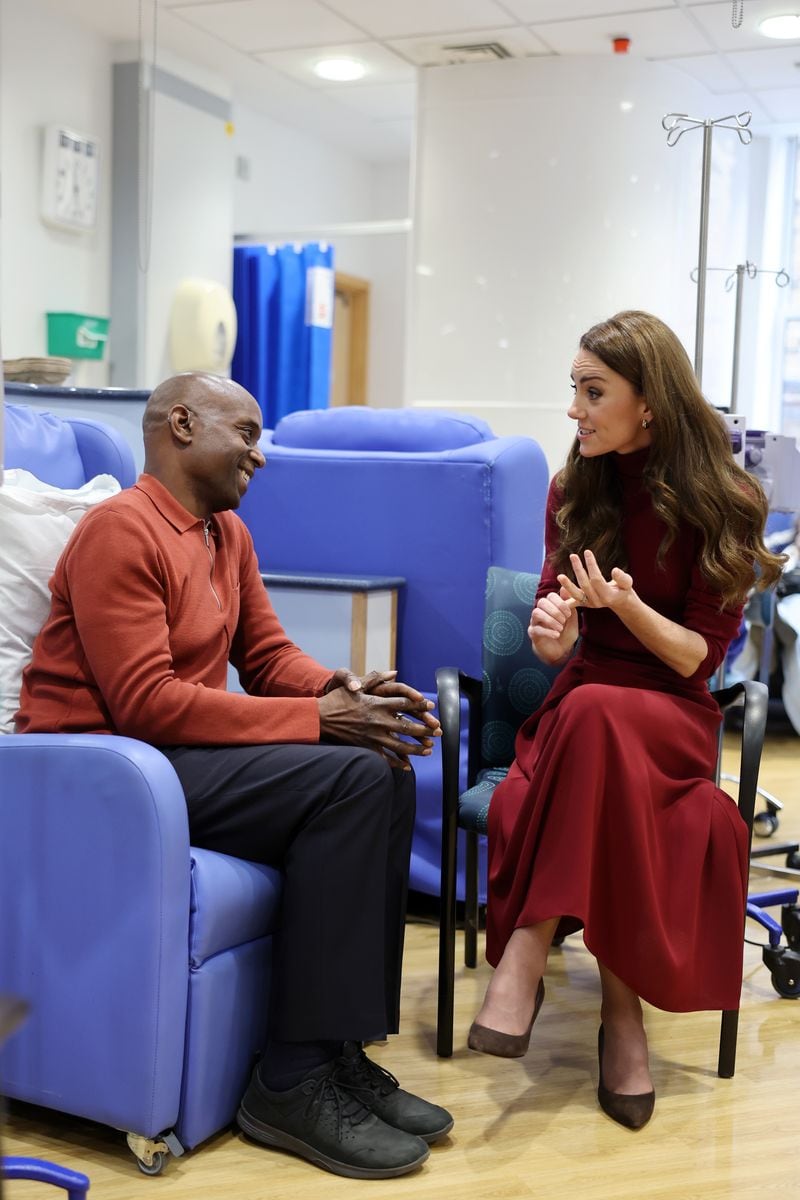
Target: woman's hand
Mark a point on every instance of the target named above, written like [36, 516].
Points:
[591, 590]
[680, 648]
[554, 626]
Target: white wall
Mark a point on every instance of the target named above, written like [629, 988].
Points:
[766, 306]
[295, 180]
[300, 188]
[729, 243]
[192, 219]
[541, 207]
[391, 191]
[50, 71]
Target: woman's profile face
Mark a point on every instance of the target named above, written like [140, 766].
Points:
[608, 409]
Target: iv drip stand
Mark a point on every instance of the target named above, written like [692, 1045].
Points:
[737, 325]
[676, 124]
[738, 273]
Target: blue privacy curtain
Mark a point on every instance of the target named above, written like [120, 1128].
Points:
[284, 306]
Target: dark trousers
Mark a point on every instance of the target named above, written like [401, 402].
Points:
[338, 822]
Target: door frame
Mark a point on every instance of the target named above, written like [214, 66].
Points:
[356, 292]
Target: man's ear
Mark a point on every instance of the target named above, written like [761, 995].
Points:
[181, 421]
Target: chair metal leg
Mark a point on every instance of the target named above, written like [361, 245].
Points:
[447, 939]
[727, 1043]
[471, 901]
[451, 686]
[754, 725]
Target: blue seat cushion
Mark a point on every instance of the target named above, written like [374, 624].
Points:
[232, 902]
[403, 430]
[473, 805]
[44, 445]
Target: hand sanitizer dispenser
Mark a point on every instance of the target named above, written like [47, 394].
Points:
[202, 332]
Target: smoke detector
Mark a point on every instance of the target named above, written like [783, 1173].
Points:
[473, 53]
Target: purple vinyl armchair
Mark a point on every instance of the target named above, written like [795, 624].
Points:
[432, 497]
[144, 962]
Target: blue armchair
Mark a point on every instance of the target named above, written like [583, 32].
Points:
[431, 496]
[144, 961]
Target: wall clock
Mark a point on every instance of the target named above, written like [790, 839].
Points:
[70, 179]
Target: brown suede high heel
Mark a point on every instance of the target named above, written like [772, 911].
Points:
[504, 1045]
[631, 1111]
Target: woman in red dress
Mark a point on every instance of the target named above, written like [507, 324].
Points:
[608, 819]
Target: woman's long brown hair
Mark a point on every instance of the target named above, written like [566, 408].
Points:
[690, 474]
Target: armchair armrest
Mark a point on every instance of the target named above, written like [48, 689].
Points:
[94, 892]
[452, 686]
[104, 451]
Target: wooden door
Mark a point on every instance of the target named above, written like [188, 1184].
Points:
[350, 333]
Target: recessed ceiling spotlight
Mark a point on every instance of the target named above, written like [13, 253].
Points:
[786, 26]
[340, 70]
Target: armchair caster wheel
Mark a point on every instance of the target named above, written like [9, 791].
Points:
[154, 1167]
[151, 1153]
[765, 824]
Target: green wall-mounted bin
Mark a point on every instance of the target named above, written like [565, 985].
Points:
[76, 335]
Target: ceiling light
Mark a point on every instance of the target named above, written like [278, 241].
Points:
[340, 70]
[787, 26]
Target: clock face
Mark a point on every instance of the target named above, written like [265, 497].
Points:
[69, 184]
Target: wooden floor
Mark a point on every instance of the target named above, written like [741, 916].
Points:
[531, 1127]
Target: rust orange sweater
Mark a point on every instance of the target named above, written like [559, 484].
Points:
[147, 608]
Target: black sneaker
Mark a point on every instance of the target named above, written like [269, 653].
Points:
[330, 1123]
[401, 1109]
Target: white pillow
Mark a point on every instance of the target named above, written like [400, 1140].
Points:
[36, 520]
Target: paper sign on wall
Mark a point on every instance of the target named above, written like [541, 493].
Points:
[319, 297]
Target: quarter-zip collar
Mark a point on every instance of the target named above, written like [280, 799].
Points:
[207, 529]
[170, 508]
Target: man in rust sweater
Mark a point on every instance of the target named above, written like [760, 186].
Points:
[156, 591]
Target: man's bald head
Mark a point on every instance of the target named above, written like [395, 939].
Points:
[201, 440]
[194, 390]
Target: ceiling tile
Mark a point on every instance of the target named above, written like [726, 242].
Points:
[253, 25]
[653, 34]
[716, 19]
[566, 10]
[382, 102]
[431, 52]
[776, 68]
[383, 66]
[390, 19]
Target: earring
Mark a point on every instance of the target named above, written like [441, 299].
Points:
[645, 423]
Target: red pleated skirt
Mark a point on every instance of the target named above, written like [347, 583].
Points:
[609, 820]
